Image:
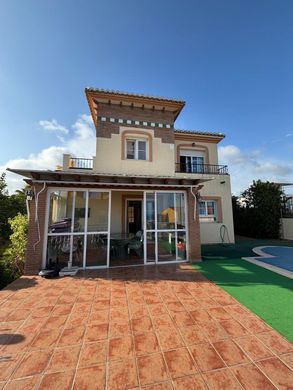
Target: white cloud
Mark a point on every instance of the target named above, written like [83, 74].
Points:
[246, 166]
[53, 126]
[81, 143]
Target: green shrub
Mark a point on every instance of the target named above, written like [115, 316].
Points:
[14, 255]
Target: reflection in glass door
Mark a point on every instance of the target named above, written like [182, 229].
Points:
[78, 228]
[165, 226]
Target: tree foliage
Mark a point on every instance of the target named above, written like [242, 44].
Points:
[10, 206]
[257, 212]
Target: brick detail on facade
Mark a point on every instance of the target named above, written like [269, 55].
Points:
[106, 129]
[193, 230]
[33, 262]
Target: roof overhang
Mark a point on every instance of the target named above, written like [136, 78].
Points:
[96, 96]
[200, 136]
[70, 178]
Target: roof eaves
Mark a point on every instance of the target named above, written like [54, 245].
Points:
[116, 92]
[199, 132]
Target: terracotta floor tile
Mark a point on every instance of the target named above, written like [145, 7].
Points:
[219, 313]
[141, 325]
[71, 336]
[90, 378]
[163, 322]
[237, 311]
[8, 363]
[98, 317]
[46, 339]
[208, 303]
[77, 319]
[152, 369]
[63, 359]
[157, 309]
[278, 372]
[200, 315]
[81, 308]
[152, 299]
[93, 353]
[121, 348]
[276, 342]
[160, 386]
[253, 347]
[19, 314]
[60, 310]
[119, 302]
[170, 339]
[230, 352]
[44, 311]
[33, 363]
[206, 357]
[55, 322]
[254, 324]
[175, 306]
[192, 334]
[225, 300]
[221, 380]
[138, 311]
[31, 383]
[57, 380]
[288, 359]
[193, 382]
[190, 304]
[117, 329]
[180, 363]
[122, 375]
[96, 332]
[182, 318]
[233, 328]
[146, 343]
[213, 331]
[251, 377]
[119, 315]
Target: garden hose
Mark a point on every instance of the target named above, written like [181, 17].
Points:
[224, 232]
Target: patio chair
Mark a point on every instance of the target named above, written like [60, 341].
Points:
[136, 244]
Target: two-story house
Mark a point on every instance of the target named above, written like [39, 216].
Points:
[151, 195]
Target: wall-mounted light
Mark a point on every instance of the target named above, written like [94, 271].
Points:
[30, 195]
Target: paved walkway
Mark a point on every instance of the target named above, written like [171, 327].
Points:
[160, 328]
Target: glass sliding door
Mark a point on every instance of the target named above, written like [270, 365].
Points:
[78, 228]
[97, 229]
[165, 237]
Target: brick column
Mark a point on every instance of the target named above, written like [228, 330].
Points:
[33, 262]
[194, 230]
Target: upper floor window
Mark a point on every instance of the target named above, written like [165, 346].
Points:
[208, 211]
[136, 149]
[192, 161]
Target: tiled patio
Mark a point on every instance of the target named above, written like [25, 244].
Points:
[160, 328]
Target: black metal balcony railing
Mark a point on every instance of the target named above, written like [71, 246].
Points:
[81, 163]
[202, 168]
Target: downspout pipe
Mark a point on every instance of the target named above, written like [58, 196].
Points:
[195, 202]
[36, 215]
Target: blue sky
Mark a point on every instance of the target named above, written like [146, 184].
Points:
[230, 60]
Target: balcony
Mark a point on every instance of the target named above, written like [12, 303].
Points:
[204, 169]
[80, 163]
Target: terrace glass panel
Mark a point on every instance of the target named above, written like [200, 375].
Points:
[98, 207]
[165, 211]
[60, 212]
[166, 246]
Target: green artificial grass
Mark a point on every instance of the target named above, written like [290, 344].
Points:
[267, 294]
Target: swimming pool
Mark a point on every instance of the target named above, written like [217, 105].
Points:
[275, 258]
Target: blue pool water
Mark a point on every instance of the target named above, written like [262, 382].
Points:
[283, 257]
